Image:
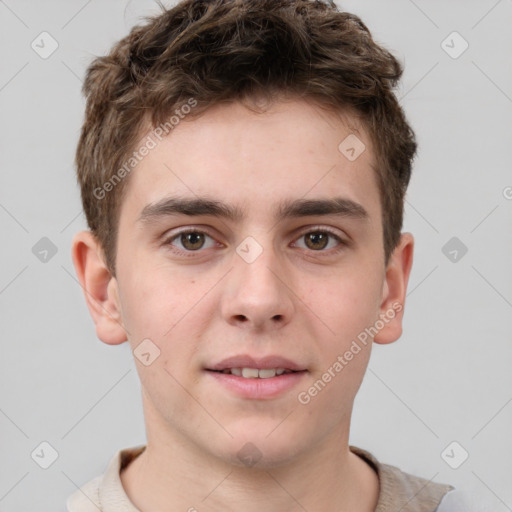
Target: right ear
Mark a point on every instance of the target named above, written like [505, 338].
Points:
[100, 288]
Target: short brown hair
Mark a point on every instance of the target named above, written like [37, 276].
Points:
[217, 51]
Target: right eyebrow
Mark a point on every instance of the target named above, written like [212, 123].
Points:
[191, 207]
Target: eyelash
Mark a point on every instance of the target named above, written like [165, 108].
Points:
[317, 229]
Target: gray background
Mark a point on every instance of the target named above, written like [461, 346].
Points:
[448, 378]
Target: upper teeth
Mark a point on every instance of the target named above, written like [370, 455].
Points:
[255, 373]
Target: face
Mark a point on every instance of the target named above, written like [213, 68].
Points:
[249, 240]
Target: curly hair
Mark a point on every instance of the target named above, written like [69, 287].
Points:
[221, 51]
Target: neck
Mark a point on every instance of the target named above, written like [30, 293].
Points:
[173, 475]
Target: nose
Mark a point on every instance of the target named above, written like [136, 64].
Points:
[257, 295]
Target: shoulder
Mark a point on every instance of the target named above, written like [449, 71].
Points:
[463, 501]
[106, 492]
[411, 492]
[403, 491]
[454, 501]
[85, 499]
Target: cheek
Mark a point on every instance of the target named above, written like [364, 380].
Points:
[328, 397]
[155, 299]
[346, 304]
[148, 308]
[168, 311]
[161, 311]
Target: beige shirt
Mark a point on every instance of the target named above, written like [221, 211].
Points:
[399, 491]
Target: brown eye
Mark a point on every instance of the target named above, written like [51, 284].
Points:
[192, 241]
[188, 241]
[317, 240]
[320, 240]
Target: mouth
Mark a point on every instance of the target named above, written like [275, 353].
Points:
[256, 373]
[257, 378]
[250, 367]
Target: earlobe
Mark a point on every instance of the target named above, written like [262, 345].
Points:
[100, 288]
[394, 290]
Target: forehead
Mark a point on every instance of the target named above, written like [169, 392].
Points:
[256, 161]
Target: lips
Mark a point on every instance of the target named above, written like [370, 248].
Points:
[246, 362]
[257, 378]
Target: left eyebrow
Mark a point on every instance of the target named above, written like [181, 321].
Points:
[339, 206]
[195, 206]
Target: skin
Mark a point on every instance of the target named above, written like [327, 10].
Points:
[303, 301]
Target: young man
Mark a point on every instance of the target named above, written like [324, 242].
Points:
[243, 166]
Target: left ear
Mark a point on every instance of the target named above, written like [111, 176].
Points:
[394, 290]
